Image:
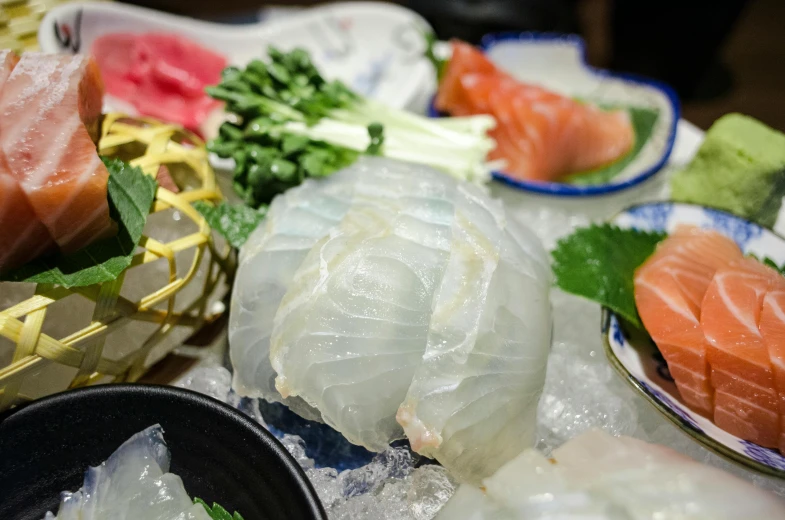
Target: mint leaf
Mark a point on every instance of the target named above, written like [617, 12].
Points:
[131, 195]
[599, 263]
[235, 222]
[643, 121]
[217, 512]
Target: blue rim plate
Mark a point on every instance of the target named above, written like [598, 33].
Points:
[637, 359]
[558, 62]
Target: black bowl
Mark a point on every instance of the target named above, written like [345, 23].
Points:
[221, 455]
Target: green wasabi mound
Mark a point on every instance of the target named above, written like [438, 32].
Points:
[740, 168]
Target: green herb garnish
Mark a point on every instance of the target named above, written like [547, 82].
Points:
[217, 512]
[131, 195]
[291, 123]
[439, 64]
[599, 263]
[643, 122]
[235, 222]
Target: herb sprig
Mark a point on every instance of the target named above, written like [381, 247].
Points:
[291, 123]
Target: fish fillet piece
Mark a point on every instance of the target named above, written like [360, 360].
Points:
[669, 290]
[472, 404]
[772, 327]
[540, 134]
[596, 476]
[133, 483]
[352, 327]
[296, 221]
[50, 110]
[23, 236]
[742, 372]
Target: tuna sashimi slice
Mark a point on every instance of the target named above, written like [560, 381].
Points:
[50, 110]
[669, 289]
[739, 357]
[22, 235]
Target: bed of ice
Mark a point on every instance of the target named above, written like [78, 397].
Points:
[581, 391]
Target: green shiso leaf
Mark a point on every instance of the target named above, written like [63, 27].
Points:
[217, 512]
[235, 222]
[643, 121]
[599, 263]
[131, 195]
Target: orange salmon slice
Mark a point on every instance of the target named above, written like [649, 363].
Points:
[669, 289]
[540, 134]
[50, 110]
[22, 235]
[772, 326]
[738, 354]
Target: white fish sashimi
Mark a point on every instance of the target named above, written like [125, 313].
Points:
[359, 308]
[599, 477]
[132, 483]
[421, 308]
[268, 262]
[472, 404]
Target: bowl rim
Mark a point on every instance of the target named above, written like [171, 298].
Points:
[704, 439]
[570, 190]
[313, 503]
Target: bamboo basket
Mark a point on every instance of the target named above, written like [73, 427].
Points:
[79, 357]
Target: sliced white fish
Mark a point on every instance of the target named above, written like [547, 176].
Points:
[599, 477]
[473, 402]
[133, 483]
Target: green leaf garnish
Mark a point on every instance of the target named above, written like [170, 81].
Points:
[439, 64]
[217, 512]
[131, 195]
[599, 263]
[291, 123]
[643, 122]
[235, 222]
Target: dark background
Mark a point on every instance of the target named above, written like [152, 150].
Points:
[721, 55]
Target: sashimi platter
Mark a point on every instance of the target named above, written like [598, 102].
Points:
[454, 282]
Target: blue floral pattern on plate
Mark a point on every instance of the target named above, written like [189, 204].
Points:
[637, 359]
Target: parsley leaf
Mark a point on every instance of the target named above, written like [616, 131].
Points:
[599, 263]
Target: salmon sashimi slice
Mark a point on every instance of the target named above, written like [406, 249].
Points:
[50, 110]
[772, 327]
[22, 235]
[739, 357]
[540, 134]
[669, 290]
[466, 59]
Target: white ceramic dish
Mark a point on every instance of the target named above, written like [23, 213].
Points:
[376, 48]
[641, 364]
[558, 62]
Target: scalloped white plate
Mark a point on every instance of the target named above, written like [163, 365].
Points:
[636, 357]
[376, 48]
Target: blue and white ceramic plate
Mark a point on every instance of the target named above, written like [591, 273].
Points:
[636, 357]
[558, 63]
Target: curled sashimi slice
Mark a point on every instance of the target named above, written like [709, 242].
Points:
[472, 404]
[50, 108]
[351, 329]
[296, 221]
